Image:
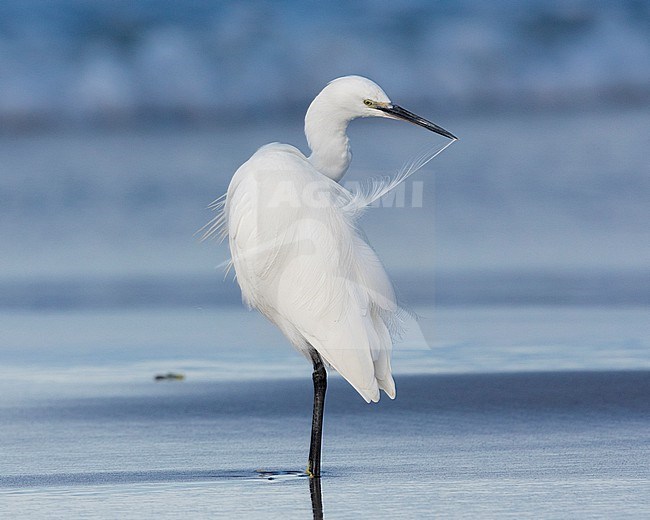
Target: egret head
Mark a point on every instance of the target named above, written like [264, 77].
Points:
[356, 96]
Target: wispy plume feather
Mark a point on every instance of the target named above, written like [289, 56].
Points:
[380, 186]
[216, 227]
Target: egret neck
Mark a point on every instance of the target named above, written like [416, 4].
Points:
[325, 129]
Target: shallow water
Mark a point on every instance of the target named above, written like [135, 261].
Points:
[539, 219]
[128, 345]
[550, 444]
[86, 432]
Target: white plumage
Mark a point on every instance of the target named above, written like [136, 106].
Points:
[298, 255]
[302, 263]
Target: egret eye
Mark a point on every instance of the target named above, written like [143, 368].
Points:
[367, 102]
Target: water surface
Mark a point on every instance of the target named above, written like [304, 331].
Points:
[550, 444]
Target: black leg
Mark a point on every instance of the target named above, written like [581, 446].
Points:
[320, 386]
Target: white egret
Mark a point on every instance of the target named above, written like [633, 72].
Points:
[300, 260]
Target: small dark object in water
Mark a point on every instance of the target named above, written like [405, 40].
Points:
[169, 376]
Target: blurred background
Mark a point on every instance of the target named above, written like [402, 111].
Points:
[120, 121]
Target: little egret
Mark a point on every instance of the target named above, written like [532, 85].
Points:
[298, 256]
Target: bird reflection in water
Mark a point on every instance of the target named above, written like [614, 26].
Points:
[314, 487]
[316, 498]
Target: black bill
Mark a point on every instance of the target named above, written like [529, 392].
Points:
[401, 113]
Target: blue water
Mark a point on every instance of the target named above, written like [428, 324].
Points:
[555, 196]
[94, 62]
[535, 444]
[476, 429]
[522, 388]
[128, 345]
[529, 253]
